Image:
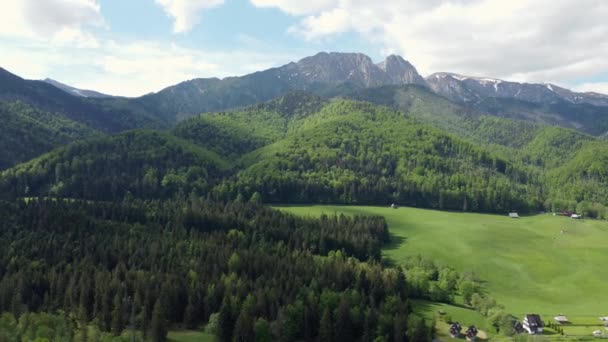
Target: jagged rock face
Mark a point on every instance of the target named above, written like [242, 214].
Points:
[465, 89]
[354, 68]
[400, 71]
[319, 73]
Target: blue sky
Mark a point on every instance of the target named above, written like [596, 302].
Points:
[131, 47]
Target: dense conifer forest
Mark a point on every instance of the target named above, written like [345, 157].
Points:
[247, 271]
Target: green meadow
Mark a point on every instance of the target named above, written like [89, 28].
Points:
[189, 336]
[536, 264]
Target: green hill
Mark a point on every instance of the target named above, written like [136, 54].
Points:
[26, 132]
[354, 152]
[143, 163]
[107, 115]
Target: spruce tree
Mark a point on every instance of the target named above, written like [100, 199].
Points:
[262, 331]
[117, 316]
[225, 324]
[158, 326]
[326, 327]
[344, 323]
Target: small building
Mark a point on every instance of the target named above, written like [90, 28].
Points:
[394, 206]
[513, 215]
[471, 333]
[575, 216]
[561, 319]
[519, 329]
[455, 330]
[533, 324]
[597, 333]
[566, 213]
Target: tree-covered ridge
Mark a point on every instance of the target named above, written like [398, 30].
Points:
[27, 132]
[249, 272]
[232, 134]
[109, 115]
[353, 152]
[303, 149]
[144, 164]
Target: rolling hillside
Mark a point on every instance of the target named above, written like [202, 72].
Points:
[144, 164]
[303, 149]
[26, 132]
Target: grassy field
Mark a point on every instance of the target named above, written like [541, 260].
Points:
[189, 336]
[537, 264]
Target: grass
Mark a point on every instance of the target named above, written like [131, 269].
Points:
[189, 336]
[529, 265]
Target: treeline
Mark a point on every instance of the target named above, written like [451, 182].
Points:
[247, 272]
[299, 150]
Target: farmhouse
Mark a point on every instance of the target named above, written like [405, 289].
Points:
[471, 333]
[533, 324]
[455, 330]
[513, 215]
[561, 319]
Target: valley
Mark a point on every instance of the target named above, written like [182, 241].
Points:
[258, 207]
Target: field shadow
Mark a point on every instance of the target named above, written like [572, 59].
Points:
[395, 243]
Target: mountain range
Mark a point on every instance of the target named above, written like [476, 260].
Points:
[332, 127]
[75, 91]
[340, 74]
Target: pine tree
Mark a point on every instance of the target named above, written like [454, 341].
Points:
[225, 324]
[190, 314]
[262, 331]
[117, 316]
[243, 329]
[398, 328]
[158, 326]
[344, 323]
[419, 333]
[326, 327]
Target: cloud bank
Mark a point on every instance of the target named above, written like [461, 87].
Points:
[527, 40]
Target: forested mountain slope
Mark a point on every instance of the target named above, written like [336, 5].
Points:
[353, 152]
[105, 115]
[144, 164]
[26, 132]
[303, 149]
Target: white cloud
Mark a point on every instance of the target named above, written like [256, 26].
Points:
[296, 7]
[130, 68]
[596, 87]
[186, 13]
[58, 22]
[528, 40]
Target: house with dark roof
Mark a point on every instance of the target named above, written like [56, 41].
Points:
[533, 324]
[471, 333]
[455, 330]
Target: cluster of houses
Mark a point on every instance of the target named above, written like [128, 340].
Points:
[456, 331]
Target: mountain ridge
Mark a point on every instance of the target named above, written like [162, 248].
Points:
[75, 91]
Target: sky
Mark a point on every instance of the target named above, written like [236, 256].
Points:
[133, 47]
